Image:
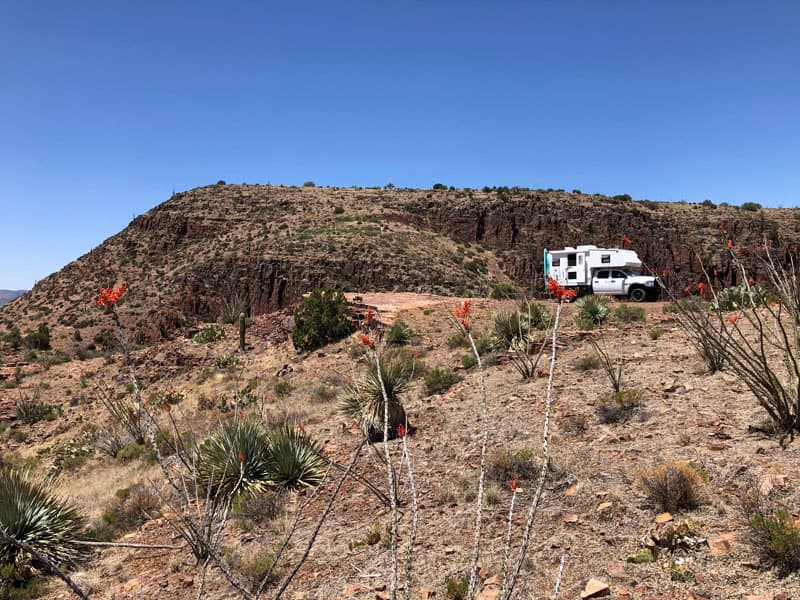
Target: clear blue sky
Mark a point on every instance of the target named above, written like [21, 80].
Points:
[107, 107]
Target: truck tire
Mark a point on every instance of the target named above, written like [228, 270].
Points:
[638, 294]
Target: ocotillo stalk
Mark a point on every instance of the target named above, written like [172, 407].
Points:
[241, 331]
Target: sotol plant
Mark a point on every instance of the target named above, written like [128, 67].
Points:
[30, 512]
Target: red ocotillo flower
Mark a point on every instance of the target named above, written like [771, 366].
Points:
[463, 312]
[730, 244]
[368, 317]
[110, 296]
[241, 456]
[733, 318]
[626, 241]
[512, 485]
[558, 291]
[701, 288]
[367, 341]
[401, 430]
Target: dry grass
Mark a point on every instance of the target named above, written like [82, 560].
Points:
[673, 485]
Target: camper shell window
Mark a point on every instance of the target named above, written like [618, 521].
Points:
[571, 260]
[572, 275]
[605, 259]
[556, 262]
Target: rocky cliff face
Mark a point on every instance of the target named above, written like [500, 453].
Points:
[675, 241]
[263, 247]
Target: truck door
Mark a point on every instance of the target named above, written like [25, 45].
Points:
[601, 282]
[617, 282]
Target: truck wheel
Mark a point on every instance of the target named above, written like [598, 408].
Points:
[638, 294]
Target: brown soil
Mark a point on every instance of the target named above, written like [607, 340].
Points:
[592, 509]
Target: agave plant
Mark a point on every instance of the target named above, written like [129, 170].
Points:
[235, 458]
[295, 460]
[31, 512]
[364, 400]
[591, 311]
[244, 456]
[508, 326]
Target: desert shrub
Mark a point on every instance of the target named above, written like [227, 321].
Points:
[283, 388]
[504, 465]
[457, 340]
[129, 508]
[657, 332]
[625, 313]
[309, 184]
[320, 319]
[538, 314]
[363, 399]
[399, 334]
[468, 361]
[39, 339]
[439, 186]
[338, 210]
[673, 485]
[438, 381]
[502, 291]
[208, 334]
[589, 362]
[323, 394]
[740, 296]
[30, 409]
[773, 533]
[246, 454]
[455, 588]
[31, 513]
[751, 206]
[225, 361]
[232, 308]
[616, 407]
[259, 508]
[591, 311]
[507, 326]
[256, 566]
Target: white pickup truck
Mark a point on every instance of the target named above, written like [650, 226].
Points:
[608, 271]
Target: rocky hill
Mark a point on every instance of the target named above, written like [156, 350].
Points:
[259, 248]
[8, 295]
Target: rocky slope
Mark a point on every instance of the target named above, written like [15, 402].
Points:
[259, 248]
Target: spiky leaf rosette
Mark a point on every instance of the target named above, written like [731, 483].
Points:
[219, 467]
[364, 399]
[32, 513]
[294, 459]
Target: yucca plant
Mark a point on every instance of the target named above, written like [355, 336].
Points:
[508, 326]
[295, 460]
[364, 400]
[591, 311]
[399, 334]
[237, 450]
[31, 512]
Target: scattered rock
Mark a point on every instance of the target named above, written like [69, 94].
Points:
[351, 589]
[595, 589]
[426, 594]
[603, 506]
[664, 517]
[721, 545]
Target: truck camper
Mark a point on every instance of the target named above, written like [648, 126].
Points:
[607, 271]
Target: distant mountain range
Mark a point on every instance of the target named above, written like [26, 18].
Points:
[9, 295]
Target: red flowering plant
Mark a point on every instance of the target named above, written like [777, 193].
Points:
[559, 292]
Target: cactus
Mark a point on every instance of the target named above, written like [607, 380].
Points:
[242, 324]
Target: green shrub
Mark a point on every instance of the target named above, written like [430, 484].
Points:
[283, 388]
[30, 409]
[617, 407]
[323, 394]
[225, 361]
[438, 381]
[751, 206]
[468, 361]
[129, 508]
[456, 588]
[38, 340]
[309, 184]
[399, 334]
[31, 512]
[588, 362]
[625, 313]
[502, 291]
[439, 186]
[508, 326]
[209, 334]
[320, 319]
[504, 465]
[591, 311]
[775, 536]
[657, 332]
